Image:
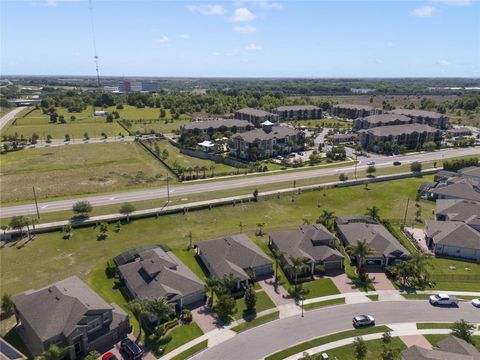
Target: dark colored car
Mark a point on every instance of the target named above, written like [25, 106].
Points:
[109, 356]
[131, 349]
[396, 163]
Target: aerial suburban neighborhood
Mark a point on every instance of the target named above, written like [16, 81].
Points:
[249, 180]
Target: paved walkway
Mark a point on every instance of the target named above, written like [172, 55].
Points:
[418, 340]
[419, 236]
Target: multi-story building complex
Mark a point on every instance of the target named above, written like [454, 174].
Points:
[298, 112]
[431, 118]
[380, 120]
[255, 116]
[211, 126]
[352, 111]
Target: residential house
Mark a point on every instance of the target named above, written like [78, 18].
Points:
[430, 118]
[380, 120]
[456, 188]
[471, 173]
[351, 111]
[212, 126]
[450, 348]
[155, 272]
[459, 210]
[458, 132]
[234, 254]
[387, 248]
[68, 313]
[453, 239]
[314, 243]
[255, 116]
[411, 136]
[298, 112]
[266, 142]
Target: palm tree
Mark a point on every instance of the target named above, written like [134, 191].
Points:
[54, 352]
[240, 226]
[327, 219]
[277, 256]
[196, 169]
[260, 227]
[212, 169]
[421, 264]
[297, 266]
[211, 285]
[141, 310]
[204, 169]
[360, 251]
[373, 212]
[189, 236]
[161, 308]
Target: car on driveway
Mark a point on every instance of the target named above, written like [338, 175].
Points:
[476, 302]
[443, 299]
[132, 349]
[363, 320]
[109, 356]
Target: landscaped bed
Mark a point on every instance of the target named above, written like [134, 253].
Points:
[374, 349]
[263, 303]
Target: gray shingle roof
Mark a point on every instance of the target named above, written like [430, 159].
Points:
[376, 235]
[254, 112]
[233, 255]
[305, 243]
[415, 113]
[277, 132]
[460, 210]
[384, 118]
[450, 348]
[58, 309]
[297, 107]
[461, 189]
[159, 273]
[395, 130]
[453, 233]
[470, 171]
[216, 124]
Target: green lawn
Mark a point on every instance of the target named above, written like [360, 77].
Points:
[373, 297]
[189, 259]
[325, 340]
[319, 304]
[263, 303]
[453, 275]
[374, 349]
[324, 123]
[320, 287]
[181, 335]
[437, 325]
[416, 296]
[78, 169]
[256, 322]
[435, 338]
[192, 351]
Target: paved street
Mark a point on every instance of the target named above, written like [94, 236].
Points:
[9, 116]
[236, 183]
[283, 333]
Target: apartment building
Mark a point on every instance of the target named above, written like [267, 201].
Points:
[298, 112]
[430, 118]
[381, 120]
[351, 111]
[255, 116]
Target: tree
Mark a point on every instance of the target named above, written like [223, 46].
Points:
[49, 139]
[109, 118]
[250, 297]
[429, 146]
[389, 353]
[360, 348]
[416, 167]
[85, 136]
[422, 265]
[68, 231]
[277, 256]
[7, 305]
[371, 169]
[255, 195]
[103, 230]
[67, 137]
[225, 307]
[297, 265]
[373, 212]
[82, 207]
[72, 118]
[54, 353]
[18, 223]
[211, 285]
[463, 330]
[126, 209]
[343, 177]
[35, 138]
[360, 251]
[189, 236]
[327, 218]
[142, 311]
[387, 337]
[260, 227]
[165, 155]
[93, 355]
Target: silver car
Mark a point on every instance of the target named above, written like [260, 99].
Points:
[363, 320]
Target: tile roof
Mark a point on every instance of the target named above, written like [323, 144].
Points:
[233, 255]
[159, 273]
[452, 233]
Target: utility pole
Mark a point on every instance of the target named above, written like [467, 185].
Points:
[168, 189]
[36, 203]
[356, 162]
[406, 210]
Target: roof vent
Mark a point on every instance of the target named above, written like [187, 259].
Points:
[57, 298]
[50, 290]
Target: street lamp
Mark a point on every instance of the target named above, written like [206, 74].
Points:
[302, 299]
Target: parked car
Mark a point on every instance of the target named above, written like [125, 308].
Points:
[476, 302]
[109, 356]
[443, 299]
[131, 349]
[300, 153]
[279, 157]
[371, 163]
[397, 163]
[363, 320]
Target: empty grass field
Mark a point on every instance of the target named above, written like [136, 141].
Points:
[78, 169]
[329, 123]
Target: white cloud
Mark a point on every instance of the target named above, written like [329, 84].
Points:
[390, 44]
[207, 9]
[253, 47]
[270, 5]
[453, 2]
[443, 62]
[185, 36]
[164, 40]
[247, 29]
[242, 15]
[424, 11]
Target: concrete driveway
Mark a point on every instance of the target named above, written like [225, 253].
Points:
[343, 283]
[381, 281]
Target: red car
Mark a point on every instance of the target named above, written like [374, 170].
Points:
[109, 356]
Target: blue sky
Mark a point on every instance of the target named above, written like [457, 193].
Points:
[242, 38]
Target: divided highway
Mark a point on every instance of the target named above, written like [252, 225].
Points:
[284, 333]
[229, 184]
[9, 116]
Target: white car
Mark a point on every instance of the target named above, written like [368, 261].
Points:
[476, 302]
[371, 163]
[363, 320]
[443, 299]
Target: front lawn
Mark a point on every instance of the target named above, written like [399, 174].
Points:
[256, 322]
[320, 287]
[374, 349]
[455, 275]
[263, 303]
[434, 325]
[192, 351]
[316, 305]
[181, 335]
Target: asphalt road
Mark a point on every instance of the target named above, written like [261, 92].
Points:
[9, 116]
[229, 184]
[280, 334]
